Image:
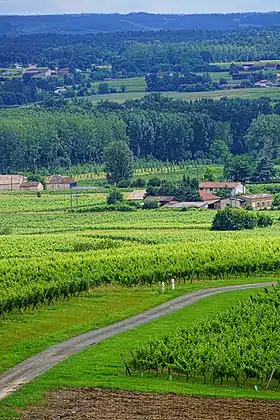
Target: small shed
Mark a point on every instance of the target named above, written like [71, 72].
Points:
[59, 182]
[162, 199]
[31, 186]
[137, 195]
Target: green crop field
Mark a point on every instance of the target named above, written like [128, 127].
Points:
[250, 93]
[102, 366]
[63, 272]
[136, 84]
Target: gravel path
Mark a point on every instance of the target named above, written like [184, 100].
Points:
[41, 362]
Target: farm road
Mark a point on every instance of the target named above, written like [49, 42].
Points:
[40, 363]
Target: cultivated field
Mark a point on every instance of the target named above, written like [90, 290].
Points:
[250, 93]
[64, 273]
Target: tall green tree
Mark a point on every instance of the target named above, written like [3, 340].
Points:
[118, 161]
[239, 168]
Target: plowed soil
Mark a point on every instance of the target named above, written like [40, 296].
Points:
[97, 404]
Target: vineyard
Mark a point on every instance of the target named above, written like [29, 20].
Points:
[28, 284]
[58, 254]
[240, 345]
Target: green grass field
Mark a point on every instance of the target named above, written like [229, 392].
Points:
[101, 365]
[136, 84]
[250, 93]
[23, 335]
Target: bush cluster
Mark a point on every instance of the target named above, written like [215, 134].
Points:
[239, 219]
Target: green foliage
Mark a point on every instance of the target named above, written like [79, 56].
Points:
[239, 344]
[234, 219]
[210, 174]
[114, 196]
[223, 193]
[184, 190]
[150, 204]
[118, 162]
[239, 168]
[264, 220]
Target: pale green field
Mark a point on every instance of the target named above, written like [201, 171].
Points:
[251, 93]
[136, 84]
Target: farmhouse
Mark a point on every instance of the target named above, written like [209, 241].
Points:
[59, 182]
[234, 188]
[257, 201]
[11, 182]
[31, 186]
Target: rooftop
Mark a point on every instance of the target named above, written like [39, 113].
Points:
[11, 179]
[206, 196]
[210, 184]
[59, 179]
[257, 196]
[161, 198]
[137, 195]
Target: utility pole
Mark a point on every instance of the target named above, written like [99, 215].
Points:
[71, 201]
[77, 201]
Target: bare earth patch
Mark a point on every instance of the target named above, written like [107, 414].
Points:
[98, 404]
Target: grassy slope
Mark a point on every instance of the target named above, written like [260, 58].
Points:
[101, 366]
[22, 336]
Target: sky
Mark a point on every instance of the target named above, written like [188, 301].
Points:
[126, 6]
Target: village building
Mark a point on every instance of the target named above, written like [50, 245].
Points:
[59, 182]
[31, 186]
[257, 201]
[234, 188]
[162, 199]
[137, 195]
[11, 182]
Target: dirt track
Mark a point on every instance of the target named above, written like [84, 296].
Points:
[41, 362]
[97, 404]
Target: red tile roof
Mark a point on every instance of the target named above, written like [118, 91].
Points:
[206, 196]
[218, 185]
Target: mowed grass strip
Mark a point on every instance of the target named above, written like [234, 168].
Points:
[23, 335]
[102, 366]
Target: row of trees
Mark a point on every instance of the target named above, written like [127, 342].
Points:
[243, 134]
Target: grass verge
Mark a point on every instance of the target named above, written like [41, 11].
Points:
[24, 335]
[101, 366]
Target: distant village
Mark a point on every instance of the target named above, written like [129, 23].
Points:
[209, 200]
[208, 193]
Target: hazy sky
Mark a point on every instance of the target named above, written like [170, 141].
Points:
[125, 6]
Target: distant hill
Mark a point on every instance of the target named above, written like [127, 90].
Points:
[89, 23]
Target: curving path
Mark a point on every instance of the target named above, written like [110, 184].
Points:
[40, 363]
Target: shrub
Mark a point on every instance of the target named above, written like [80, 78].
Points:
[234, 219]
[114, 196]
[5, 230]
[264, 220]
[124, 183]
[138, 182]
[150, 204]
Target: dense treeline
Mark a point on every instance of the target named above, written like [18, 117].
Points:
[29, 140]
[154, 127]
[141, 52]
[13, 25]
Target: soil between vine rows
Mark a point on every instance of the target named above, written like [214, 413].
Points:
[98, 404]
